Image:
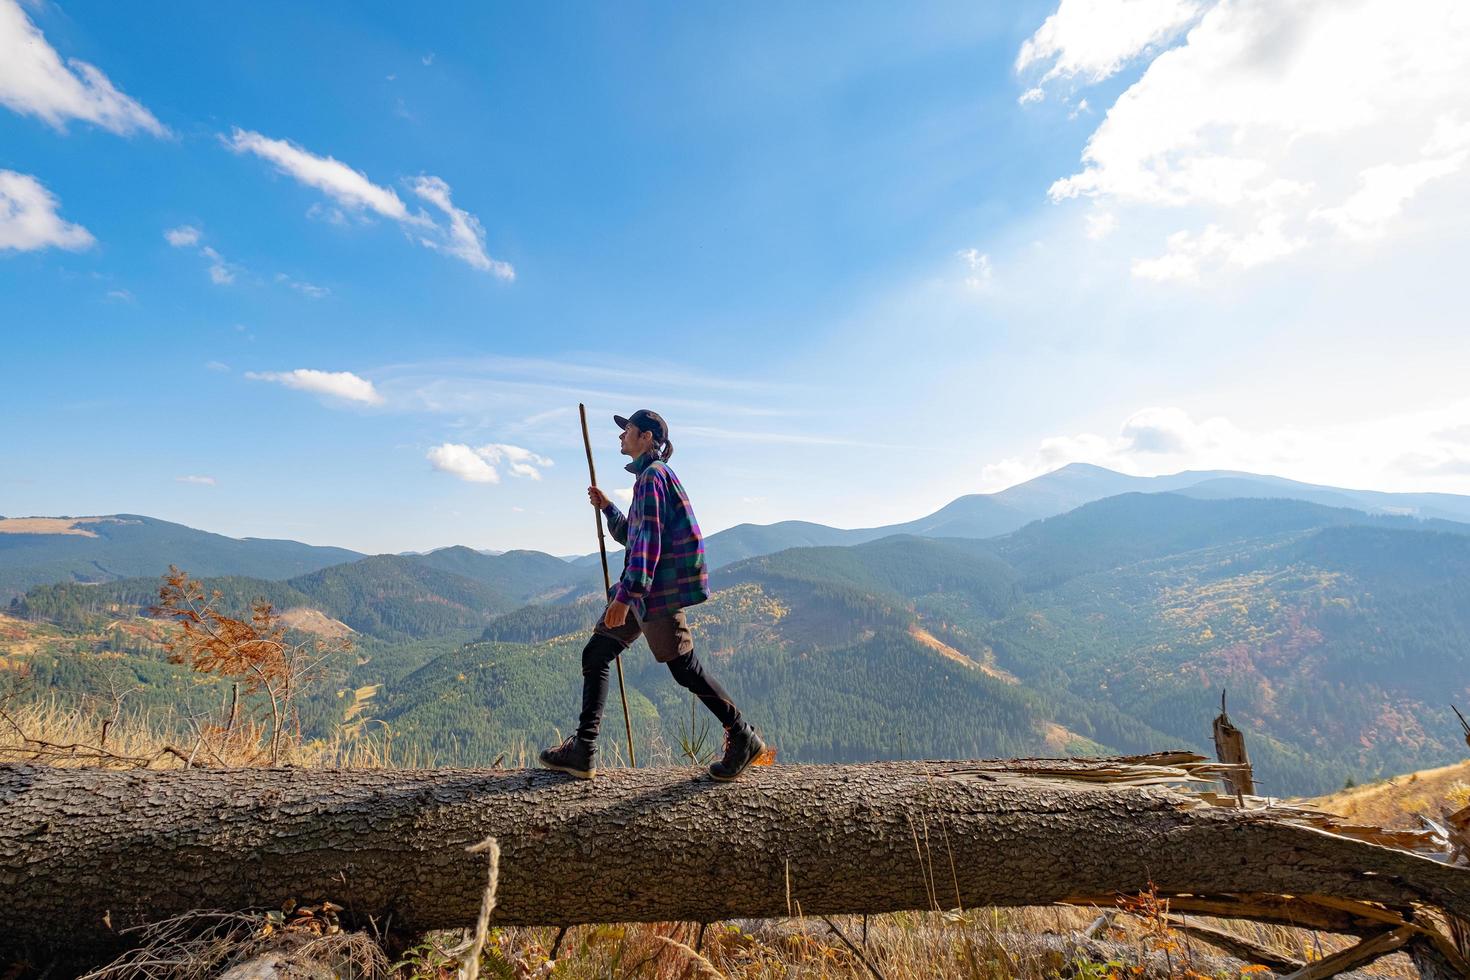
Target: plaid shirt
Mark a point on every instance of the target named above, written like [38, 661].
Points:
[663, 566]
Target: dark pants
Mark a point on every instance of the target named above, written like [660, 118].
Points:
[605, 645]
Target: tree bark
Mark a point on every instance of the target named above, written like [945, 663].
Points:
[81, 848]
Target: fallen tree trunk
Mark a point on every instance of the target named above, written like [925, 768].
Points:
[84, 852]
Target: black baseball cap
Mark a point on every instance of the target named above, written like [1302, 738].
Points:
[646, 421]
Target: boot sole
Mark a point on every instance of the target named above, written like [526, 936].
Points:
[579, 773]
[760, 747]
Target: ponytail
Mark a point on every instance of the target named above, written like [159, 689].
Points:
[668, 451]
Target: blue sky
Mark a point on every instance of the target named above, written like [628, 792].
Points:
[342, 272]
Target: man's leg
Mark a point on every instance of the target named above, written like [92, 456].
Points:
[597, 656]
[577, 754]
[691, 675]
[671, 642]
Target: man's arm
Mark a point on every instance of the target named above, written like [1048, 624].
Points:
[617, 524]
[644, 534]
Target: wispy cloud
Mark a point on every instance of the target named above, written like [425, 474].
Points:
[716, 434]
[528, 385]
[479, 464]
[34, 82]
[198, 481]
[307, 289]
[28, 218]
[221, 272]
[349, 188]
[182, 237]
[521, 462]
[459, 235]
[980, 273]
[343, 385]
[464, 238]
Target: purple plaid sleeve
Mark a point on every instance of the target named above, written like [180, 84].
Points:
[644, 541]
[617, 524]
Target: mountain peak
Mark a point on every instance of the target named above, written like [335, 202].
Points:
[1088, 468]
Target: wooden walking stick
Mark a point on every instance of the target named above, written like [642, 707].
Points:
[607, 584]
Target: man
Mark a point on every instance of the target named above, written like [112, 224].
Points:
[663, 571]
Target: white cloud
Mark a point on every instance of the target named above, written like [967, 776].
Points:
[1095, 38]
[320, 212]
[221, 273]
[625, 494]
[464, 238]
[183, 236]
[346, 186]
[34, 82]
[216, 366]
[1276, 127]
[120, 295]
[336, 384]
[200, 481]
[461, 236]
[305, 288]
[460, 460]
[522, 462]
[28, 218]
[1384, 189]
[1387, 452]
[1187, 252]
[980, 272]
[479, 464]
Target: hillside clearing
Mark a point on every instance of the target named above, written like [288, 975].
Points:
[54, 525]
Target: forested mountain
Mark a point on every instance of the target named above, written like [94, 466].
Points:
[1133, 527]
[388, 597]
[1338, 666]
[524, 575]
[1340, 635]
[39, 551]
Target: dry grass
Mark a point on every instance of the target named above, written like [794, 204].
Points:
[54, 525]
[1394, 802]
[985, 944]
[316, 622]
[53, 732]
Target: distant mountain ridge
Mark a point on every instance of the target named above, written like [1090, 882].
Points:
[985, 515]
[123, 546]
[102, 549]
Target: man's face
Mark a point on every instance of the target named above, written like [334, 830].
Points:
[634, 441]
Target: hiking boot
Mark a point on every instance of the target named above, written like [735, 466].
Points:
[742, 746]
[574, 755]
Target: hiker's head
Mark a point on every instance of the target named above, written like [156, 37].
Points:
[644, 431]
